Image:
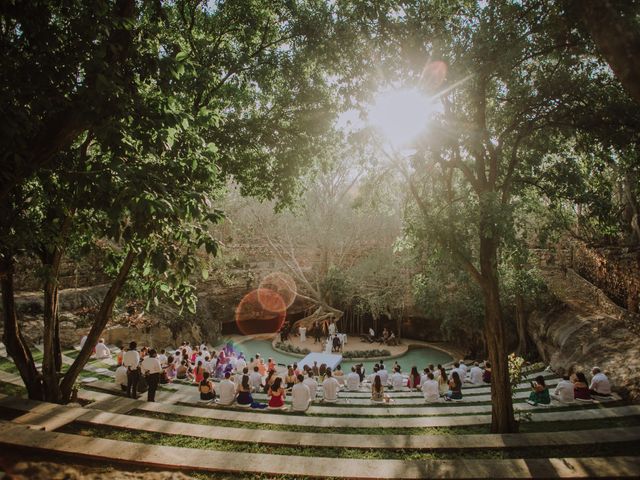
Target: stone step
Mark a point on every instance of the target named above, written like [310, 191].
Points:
[144, 455]
[261, 416]
[583, 437]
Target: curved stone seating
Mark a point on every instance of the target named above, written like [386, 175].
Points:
[15, 435]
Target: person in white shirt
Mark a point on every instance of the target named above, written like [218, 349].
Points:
[600, 384]
[152, 369]
[238, 377]
[431, 389]
[462, 370]
[255, 380]
[310, 382]
[241, 364]
[162, 356]
[330, 388]
[227, 390]
[384, 375]
[397, 382]
[475, 374]
[300, 395]
[564, 390]
[332, 328]
[425, 376]
[121, 377]
[102, 351]
[131, 360]
[353, 380]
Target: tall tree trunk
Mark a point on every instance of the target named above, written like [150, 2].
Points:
[13, 339]
[521, 325]
[99, 324]
[502, 419]
[51, 346]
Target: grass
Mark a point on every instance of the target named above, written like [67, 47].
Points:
[155, 438]
[12, 390]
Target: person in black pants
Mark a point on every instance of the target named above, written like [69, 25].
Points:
[131, 360]
[152, 369]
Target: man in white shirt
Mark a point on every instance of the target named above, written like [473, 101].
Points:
[255, 380]
[332, 328]
[397, 382]
[425, 376]
[564, 391]
[120, 377]
[311, 383]
[462, 370]
[475, 374]
[430, 389]
[384, 375]
[330, 388]
[152, 369]
[600, 384]
[300, 395]
[131, 360]
[227, 390]
[353, 380]
[102, 351]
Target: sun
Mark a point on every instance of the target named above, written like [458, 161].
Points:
[400, 115]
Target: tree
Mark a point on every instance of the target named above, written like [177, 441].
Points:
[140, 111]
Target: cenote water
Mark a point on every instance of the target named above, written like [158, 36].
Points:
[420, 357]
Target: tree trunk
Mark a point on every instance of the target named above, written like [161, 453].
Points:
[99, 324]
[51, 346]
[521, 325]
[616, 37]
[502, 419]
[13, 339]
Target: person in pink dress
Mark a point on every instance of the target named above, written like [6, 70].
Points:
[276, 394]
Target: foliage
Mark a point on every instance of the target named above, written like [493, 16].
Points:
[287, 347]
[376, 353]
[516, 371]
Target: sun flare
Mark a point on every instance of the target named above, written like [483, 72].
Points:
[400, 115]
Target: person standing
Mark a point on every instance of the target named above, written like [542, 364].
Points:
[131, 360]
[152, 369]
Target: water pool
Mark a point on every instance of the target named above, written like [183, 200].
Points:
[419, 357]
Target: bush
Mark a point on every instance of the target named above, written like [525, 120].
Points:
[287, 347]
[366, 354]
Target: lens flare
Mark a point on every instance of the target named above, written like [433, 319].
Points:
[252, 317]
[280, 283]
[434, 74]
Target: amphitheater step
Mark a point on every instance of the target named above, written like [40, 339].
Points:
[145, 455]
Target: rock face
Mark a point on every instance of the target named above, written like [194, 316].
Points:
[584, 332]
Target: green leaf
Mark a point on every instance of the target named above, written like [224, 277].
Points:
[205, 273]
[181, 56]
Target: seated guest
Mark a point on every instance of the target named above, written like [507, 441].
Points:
[353, 380]
[322, 371]
[255, 380]
[338, 373]
[330, 387]
[455, 387]
[276, 394]
[310, 382]
[475, 374]
[397, 382]
[162, 356]
[182, 372]
[102, 351]
[205, 388]
[463, 371]
[424, 377]
[486, 375]
[336, 346]
[600, 384]
[270, 365]
[431, 389]
[392, 340]
[271, 378]
[198, 372]
[244, 392]
[384, 374]
[581, 387]
[170, 370]
[300, 395]
[227, 390]
[262, 367]
[290, 379]
[360, 371]
[414, 378]
[121, 377]
[540, 393]
[377, 391]
[443, 380]
[564, 390]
